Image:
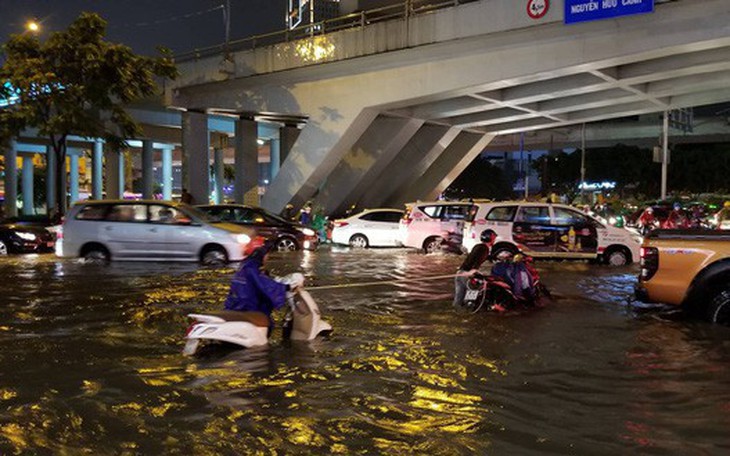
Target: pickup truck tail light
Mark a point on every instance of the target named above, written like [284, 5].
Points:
[649, 262]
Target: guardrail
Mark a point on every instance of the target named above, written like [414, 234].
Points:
[404, 10]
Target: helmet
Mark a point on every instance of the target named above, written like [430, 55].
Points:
[649, 210]
[487, 236]
[677, 206]
[259, 242]
[727, 204]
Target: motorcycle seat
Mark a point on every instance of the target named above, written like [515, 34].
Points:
[256, 318]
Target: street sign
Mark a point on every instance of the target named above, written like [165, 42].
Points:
[537, 9]
[593, 10]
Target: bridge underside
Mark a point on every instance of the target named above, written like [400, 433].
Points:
[400, 125]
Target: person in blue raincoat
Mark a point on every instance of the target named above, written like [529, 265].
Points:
[252, 290]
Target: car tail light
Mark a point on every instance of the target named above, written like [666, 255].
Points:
[649, 262]
[341, 224]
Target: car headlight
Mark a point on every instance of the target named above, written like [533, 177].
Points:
[307, 231]
[26, 236]
[242, 238]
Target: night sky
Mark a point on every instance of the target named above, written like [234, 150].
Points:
[181, 25]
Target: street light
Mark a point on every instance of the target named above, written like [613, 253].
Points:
[32, 26]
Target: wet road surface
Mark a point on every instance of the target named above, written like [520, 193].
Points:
[90, 363]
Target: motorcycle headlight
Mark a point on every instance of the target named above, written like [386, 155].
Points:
[26, 236]
[242, 238]
[307, 231]
[612, 220]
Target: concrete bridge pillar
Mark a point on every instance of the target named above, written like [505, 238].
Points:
[73, 158]
[97, 169]
[195, 157]
[288, 135]
[246, 185]
[218, 174]
[275, 148]
[148, 176]
[167, 173]
[11, 179]
[114, 173]
[51, 164]
[27, 184]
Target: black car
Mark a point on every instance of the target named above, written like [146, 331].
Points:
[287, 235]
[15, 238]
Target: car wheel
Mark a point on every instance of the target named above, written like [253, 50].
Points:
[96, 255]
[433, 244]
[3, 248]
[719, 310]
[286, 244]
[359, 241]
[617, 257]
[503, 252]
[214, 256]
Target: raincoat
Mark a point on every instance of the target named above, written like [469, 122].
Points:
[252, 290]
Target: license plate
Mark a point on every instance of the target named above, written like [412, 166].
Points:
[191, 346]
[471, 295]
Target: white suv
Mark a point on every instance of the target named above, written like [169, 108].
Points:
[426, 225]
[100, 231]
[550, 231]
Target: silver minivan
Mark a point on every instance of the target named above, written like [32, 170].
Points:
[100, 231]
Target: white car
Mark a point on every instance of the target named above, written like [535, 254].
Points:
[544, 230]
[369, 228]
[426, 225]
[99, 231]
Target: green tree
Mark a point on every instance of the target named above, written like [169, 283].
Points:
[76, 83]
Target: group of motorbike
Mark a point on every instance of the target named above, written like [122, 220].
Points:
[513, 285]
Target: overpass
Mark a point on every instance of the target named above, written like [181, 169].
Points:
[385, 106]
[396, 109]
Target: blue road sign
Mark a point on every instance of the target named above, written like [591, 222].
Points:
[593, 10]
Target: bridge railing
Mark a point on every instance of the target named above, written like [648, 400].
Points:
[404, 11]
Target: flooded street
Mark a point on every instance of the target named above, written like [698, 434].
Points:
[91, 363]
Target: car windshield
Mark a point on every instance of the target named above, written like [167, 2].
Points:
[275, 217]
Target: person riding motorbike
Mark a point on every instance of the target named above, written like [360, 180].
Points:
[520, 274]
[722, 218]
[647, 221]
[252, 290]
[677, 219]
[471, 264]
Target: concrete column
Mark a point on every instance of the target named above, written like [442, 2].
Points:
[73, 157]
[218, 174]
[195, 157]
[148, 165]
[114, 174]
[97, 169]
[11, 179]
[288, 135]
[27, 184]
[167, 173]
[50, 180]
[63, 197]
[275, 149]
[246, 189]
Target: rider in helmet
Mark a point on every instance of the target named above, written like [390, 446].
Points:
[647, 221]
[478, 255]
[677, 219]
[253, 290]
[723, 217]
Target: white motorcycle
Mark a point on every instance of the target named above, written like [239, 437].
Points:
[250, 329]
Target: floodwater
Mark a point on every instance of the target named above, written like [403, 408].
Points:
[90, 363]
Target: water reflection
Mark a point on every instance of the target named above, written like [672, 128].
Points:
[91, 363]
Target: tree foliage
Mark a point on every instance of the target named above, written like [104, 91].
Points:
[76, 83]
[480, 179]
